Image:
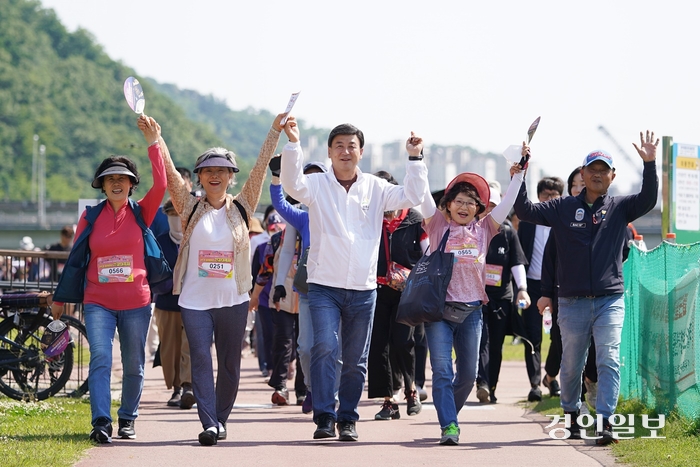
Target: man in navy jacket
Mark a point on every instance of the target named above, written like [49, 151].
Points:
[590, 229]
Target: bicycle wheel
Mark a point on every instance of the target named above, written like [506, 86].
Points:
[77, 385]
[27, 374]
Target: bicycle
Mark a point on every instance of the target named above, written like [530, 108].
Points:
[26, 373]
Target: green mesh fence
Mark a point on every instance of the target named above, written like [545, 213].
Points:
[660, 354]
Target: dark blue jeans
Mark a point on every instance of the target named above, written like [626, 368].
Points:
[331, 306]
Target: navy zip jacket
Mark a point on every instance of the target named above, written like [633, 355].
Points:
[590, 239]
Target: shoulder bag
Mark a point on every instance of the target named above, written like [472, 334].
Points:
[301, 275]
[423, 299]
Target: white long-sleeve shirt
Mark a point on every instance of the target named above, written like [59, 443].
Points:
[345, 227]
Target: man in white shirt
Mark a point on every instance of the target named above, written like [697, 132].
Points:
[346, 208]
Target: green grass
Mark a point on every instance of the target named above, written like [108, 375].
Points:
[516, 353]
[52, 432]
[680, 447]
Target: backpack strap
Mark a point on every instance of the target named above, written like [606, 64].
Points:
[240, 207]
[137, 214]
[191, 214]
[244, 214]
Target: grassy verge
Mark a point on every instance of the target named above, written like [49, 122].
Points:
[52, 432]
[516, 353]
[679, 447]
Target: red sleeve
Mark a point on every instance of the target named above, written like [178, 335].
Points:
[82, 223]
[151, 202]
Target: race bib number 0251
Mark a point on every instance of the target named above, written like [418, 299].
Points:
[215, 264]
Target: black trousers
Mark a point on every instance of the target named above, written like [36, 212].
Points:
[286, 332]
[533, 328]
[496, 327]
[553, 362]
[386, 334]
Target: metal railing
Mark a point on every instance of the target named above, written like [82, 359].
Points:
[38, 271]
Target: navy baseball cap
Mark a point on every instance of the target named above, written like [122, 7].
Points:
[598, 155]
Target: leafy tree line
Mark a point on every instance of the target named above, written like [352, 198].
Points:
[63, 87]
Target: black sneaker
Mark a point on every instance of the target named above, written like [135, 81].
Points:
[346, 431]
[208, 437]
[413, 405]
[390, 411]
[574, 428]
[325, 427]
[127, 429]
[175, 398]
[102, 431]
[606, 436]
[535, 395]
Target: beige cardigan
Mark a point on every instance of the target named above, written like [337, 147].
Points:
[184, 202]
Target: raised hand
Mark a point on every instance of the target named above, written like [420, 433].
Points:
[515, 169]
[276, 165]
[414, 145]
[277, 123]
[647, 151]
[292, 129]
[149, 127]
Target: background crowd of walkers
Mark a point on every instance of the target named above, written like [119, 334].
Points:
[356, 237]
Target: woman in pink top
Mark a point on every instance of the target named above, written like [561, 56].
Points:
[116, 293]
[468, 238]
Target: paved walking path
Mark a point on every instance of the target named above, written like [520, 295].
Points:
[260, 434]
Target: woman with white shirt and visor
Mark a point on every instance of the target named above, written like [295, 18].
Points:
[213, 274]
[468, 239]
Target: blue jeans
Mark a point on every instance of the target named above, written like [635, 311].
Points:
[352, 311]
[100, 324]
[305, 341]
[450, 390]
[579, 319]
